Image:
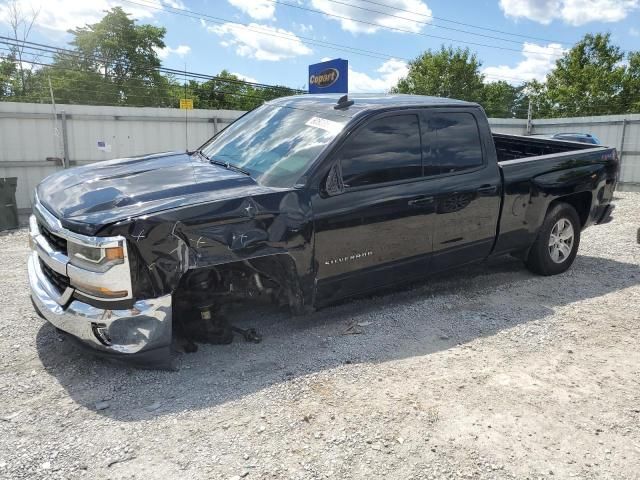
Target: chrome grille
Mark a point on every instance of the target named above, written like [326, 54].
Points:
[61, 282]
[57, 243]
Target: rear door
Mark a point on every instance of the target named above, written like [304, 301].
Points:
[462, 165]
[379, 230]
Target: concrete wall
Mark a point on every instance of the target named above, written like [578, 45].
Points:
[31, 136]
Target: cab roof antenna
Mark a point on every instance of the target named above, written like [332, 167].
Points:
[343, 103]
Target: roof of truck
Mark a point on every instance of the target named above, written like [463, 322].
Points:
[365, 102]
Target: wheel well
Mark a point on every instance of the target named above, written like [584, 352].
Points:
[580, 201]
[273, 278]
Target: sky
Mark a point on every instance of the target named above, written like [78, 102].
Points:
[274, 41]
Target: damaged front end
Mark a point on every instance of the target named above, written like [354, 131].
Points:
[212, 256]
[177, 270]
[204, 295]
[90, 299]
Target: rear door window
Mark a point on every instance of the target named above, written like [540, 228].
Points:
[386, 149]
[452, 143]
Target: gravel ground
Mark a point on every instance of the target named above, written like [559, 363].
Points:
[489, 372]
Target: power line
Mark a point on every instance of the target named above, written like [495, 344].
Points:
[301, 39]
[376, 25]
[462, 23]
[271, 33]
[307, 40]
[519, 42]
[81, 56]
[56, 50]
[58, 67]
[592, 109]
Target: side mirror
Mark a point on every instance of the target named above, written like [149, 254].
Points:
[333, 184]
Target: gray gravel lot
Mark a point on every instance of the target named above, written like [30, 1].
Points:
[487, 372]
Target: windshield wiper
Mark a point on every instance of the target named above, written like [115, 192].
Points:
[201, 153]
[227, 165]
[230, 166]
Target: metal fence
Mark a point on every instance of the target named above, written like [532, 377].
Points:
[37, 139]
[620, 131]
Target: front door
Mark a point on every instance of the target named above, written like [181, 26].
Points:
[379, 230]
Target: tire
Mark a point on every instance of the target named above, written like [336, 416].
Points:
[556, 245]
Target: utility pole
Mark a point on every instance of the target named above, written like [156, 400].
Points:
[56, 131]
[529, 119]
[186, 113]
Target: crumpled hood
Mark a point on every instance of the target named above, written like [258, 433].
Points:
[89, 197]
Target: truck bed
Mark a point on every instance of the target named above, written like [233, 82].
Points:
[533, 168]
[523, 159]
[513, 147]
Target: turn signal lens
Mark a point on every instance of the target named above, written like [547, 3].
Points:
[101, 292]
[114, 253]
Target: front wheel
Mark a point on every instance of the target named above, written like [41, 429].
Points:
[557, 243]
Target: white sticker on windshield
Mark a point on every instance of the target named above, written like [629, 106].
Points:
[324, 124]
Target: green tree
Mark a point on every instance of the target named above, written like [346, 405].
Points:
[8, 74]
[502, 100]
[588, 79]
[116, 63]
[448, 72]
[631, 84]
[536, 91]
[275, 91]
[21, 25]
[75, 84]
[228, 92]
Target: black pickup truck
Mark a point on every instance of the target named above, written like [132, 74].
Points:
[302, 201]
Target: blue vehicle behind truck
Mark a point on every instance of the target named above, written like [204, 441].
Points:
[304, 201]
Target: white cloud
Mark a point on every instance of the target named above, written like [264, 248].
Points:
[261, 42]
[538, 61]
[302, 27]
[574, 12]
[62, 15]
[634, 32]
[174, 3]
[400, 19]
[245, 77]
[390, 72]
[258, 9]
[180, 50]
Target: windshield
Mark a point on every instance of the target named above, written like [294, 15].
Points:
[275, 144]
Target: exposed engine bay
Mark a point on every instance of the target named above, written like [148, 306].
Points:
[204, 299]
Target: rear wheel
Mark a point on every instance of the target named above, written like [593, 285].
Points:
[557, 243]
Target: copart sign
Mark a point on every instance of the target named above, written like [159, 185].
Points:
[329, 77]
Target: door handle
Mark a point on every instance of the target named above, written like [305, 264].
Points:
[487, 189]
[421, 200]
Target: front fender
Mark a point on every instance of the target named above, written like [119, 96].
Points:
[169, 244]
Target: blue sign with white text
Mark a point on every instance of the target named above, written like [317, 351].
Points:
[329, 77]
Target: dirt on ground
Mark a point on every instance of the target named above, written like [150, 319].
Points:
[488, 372]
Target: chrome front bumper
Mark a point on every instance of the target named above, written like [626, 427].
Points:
[142, 332]
[143, 329]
